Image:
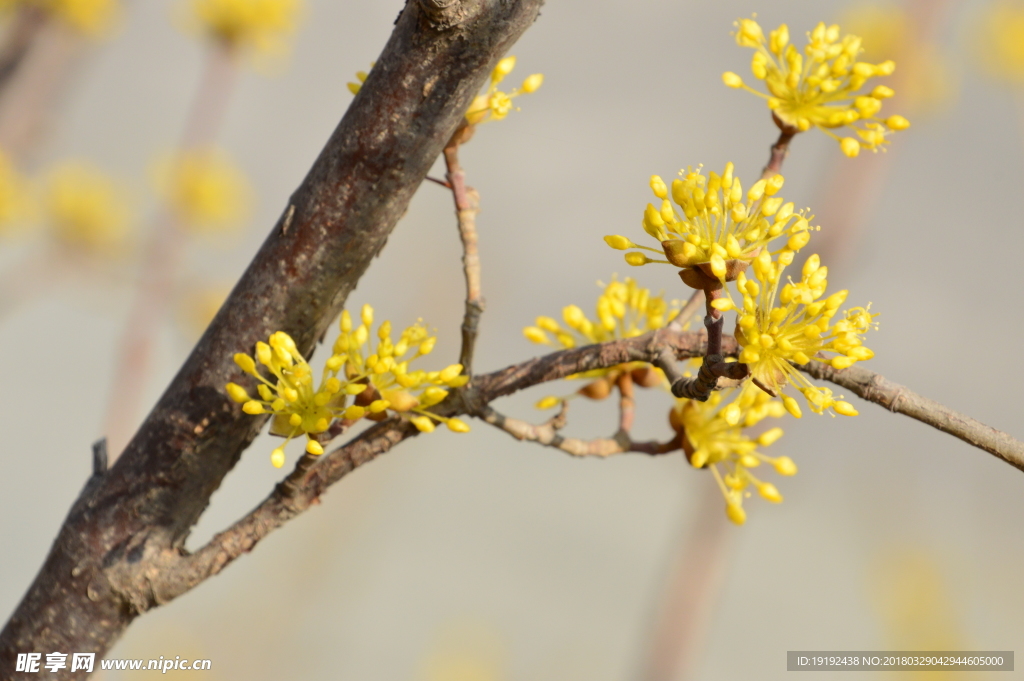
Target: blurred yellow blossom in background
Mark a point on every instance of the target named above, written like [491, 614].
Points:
[926, 79]
[1000, 41]
[259, 25]
[15, 198]
[90, 17]
[87, 209]
[199, 305]
[205, 189]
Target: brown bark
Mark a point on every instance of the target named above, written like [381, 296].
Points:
[108, 556]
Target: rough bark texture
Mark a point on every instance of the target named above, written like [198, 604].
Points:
[105, 565]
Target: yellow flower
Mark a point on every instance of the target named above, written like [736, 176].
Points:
[823, 90]
[493, 105]
[773, 338]
[713, 434]
[379, 382]
[361, 76]
[624, 310]
[205, 189]
[1000, 41]
[716, 227]
[86, 208]
[260, 25]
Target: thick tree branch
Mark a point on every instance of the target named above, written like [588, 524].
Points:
[120, 532]
[295, 494]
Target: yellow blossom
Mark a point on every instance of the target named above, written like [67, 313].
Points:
[91, 17]
[624, 310]
[713, 434]
[375, 383]
[778, 327]
[260, 25]
[205, 189]
[715, 226]
[493, 105]
[86, 208]
[822, 87]
[361, 77]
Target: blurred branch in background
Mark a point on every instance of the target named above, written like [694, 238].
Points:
[44, 48]
[162, 257]
[40, 56]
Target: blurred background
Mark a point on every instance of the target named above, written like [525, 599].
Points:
[475, 557]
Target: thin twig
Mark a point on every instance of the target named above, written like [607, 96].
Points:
[684, 315]
[547, 434]
[901, 400]
[444, 184]
[779, 149]
[627, 404]
[467, 205]
[714, 367]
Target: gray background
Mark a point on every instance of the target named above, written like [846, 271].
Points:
[518, 561]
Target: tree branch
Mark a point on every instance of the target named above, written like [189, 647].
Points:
[467, 205]
[121, 532]
[174, 572]
[901, 400]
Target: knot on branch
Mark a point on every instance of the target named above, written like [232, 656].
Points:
[443, 14]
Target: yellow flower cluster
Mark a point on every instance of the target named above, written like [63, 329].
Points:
[493, 105]
[624, 310]
[206, 190]
[774, 338]
[376, 383]
[821, 87]
[719, 229]
[86, 208]
[712, 434]
[260, 25]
